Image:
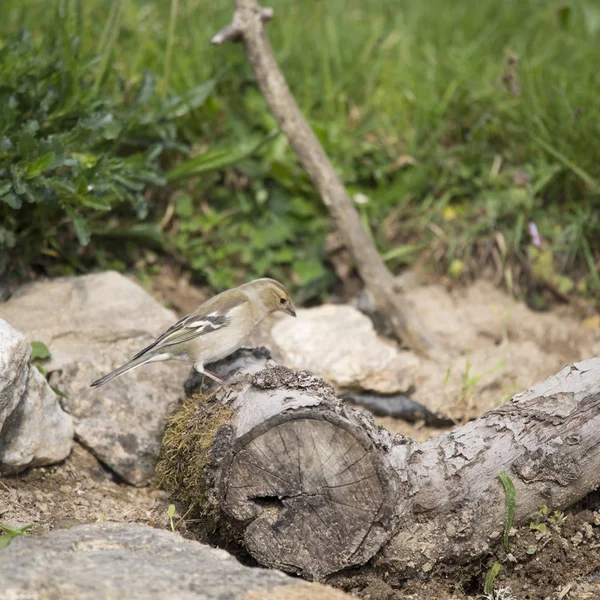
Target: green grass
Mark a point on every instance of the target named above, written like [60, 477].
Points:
[9, 532]
[460, 123]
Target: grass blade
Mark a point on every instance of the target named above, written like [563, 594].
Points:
[170, 39]
[511, 503]
[108, 41]
[488, 586]
[567, 162]
[216, 159]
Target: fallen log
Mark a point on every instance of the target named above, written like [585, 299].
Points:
[312, 486]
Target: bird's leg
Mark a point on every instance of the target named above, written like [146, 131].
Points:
[200, 369]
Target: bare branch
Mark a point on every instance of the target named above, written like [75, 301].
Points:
[233, 32]
[392, 308]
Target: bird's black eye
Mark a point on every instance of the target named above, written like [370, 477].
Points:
[281, 300]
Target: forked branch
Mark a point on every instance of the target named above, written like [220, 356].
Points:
[248, 26]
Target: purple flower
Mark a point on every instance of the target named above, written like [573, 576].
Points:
[536, 239]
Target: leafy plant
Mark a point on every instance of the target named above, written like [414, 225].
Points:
[483, 131]
[545, 517]
[9, 533]
[39, 351]
[69, 154]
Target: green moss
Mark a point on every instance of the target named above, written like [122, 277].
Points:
[185, 452]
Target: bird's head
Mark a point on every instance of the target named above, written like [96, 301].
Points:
[271, 296]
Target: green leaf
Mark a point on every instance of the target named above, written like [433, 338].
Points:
[7, 238]
[404, 252]
[12, 200]
[27, 141]
[95, 202]
[170, 514]
[21, 187]
[103, 123]
[146, 89]
[564, 15]
[145, 232]
[58, 392]
[39, 351]
[11, 532]
[511, 502]
[184, 206]
[217, 159]
[488, 586]
[80, 225]
[39, 165]
[5, 145]
[308, 270]
[85, 159]
[189, 101]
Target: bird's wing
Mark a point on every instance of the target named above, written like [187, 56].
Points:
[203, 320]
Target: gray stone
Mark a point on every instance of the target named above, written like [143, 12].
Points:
[38, 432]
[14, 368]
[339, 344]
[110, 561]
[91, 325]
[34, 430]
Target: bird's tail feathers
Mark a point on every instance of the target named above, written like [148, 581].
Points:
[132, 364]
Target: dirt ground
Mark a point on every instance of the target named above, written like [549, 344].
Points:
[79, 490]
[498, 346]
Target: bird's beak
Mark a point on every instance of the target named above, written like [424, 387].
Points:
[290, 310]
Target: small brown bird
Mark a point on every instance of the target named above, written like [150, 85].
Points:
[215, 329]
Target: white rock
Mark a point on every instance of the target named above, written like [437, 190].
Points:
[14, 361]
[38, 432]
[339, 344]
[34, 430]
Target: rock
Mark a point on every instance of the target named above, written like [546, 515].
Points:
[339, 344]
[92, 324]
[110, 561]
[38, 432]
[14, 361]
[34, 430]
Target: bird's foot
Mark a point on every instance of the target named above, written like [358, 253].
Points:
[200, 369]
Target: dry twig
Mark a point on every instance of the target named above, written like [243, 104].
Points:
[248, 26]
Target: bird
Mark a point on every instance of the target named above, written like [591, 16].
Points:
[215, 329]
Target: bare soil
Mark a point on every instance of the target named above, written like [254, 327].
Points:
[498, 347]
[78, 490]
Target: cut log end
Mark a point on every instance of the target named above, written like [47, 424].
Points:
[279, 460]
[313, 490]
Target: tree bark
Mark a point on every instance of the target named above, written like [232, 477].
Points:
[247, 25]
[312, 486]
